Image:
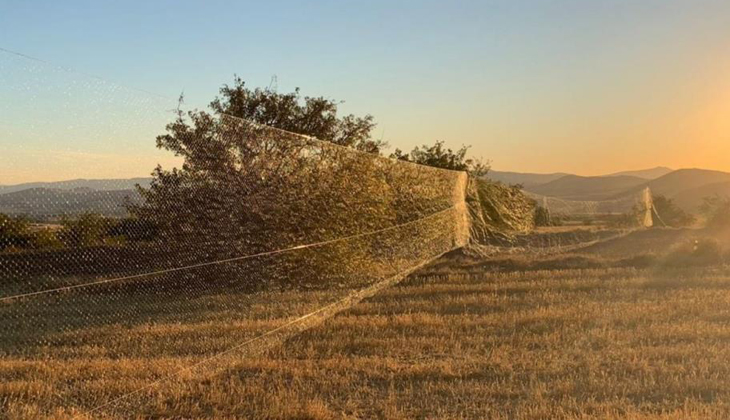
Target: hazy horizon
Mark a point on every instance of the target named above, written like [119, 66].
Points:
[38, 181]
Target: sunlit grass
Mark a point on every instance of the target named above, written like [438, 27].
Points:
[603, 343]
[519, 337]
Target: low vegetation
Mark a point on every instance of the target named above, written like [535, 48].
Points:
[667, 213]
[18, 233]
[544, 218]
[714, 212]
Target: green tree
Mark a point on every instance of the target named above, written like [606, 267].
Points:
[543, 217]
[88, 229]
[251, 183]
[668, 213]
[440, 156]
[310, 116]
[14, 233]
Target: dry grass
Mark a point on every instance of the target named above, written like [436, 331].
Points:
[73, 367]
[463, 339]
[608, 343]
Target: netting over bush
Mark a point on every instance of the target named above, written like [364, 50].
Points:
[639, 203]
[110, 294]
[497, 211]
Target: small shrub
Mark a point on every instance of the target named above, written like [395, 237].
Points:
[666, 212]
[14, 233]
[87, 230]
[543, 217]
[624, 221]
[45, 239]
[133, 230]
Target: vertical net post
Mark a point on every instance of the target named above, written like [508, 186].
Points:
[648, 208]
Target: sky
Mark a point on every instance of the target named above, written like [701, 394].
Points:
[587, 87]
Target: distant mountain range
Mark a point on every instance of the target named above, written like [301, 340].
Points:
[687, 187]
[52, 200]
[524, 179]
[93, 184]
[652, 173]
[50, 203]
[527, 179]
[583, 188]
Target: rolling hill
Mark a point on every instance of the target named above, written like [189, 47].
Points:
[593, 188]
[48, 203]
[691, 199]
[525, 179]
[688, 187]
[652, 173]
[686, 179]
[93, 184]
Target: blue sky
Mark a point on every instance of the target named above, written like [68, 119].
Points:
[582, 86]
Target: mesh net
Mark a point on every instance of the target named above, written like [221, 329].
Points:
[639, 202]
[117, 293]
[564, 226]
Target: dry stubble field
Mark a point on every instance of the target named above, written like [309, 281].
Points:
[512, 338]
[470, 339]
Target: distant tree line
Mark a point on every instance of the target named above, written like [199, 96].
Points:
[18, 233]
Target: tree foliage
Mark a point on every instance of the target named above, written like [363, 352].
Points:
[668, 213]
[543, 217]
[89, 229]
[234, 171]
[310, 116]
[14, 232]
[440, 156]
[498, 210]
[249, 184]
